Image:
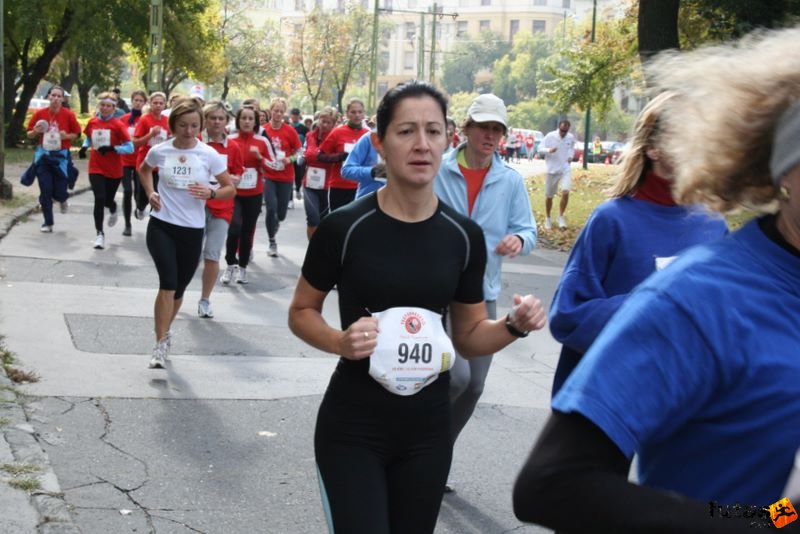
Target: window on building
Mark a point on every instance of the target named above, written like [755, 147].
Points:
[566, 4]
[540, 2]
[409, 60]
[485, 25]
[513, 29]
[318, 4]
[383, 62]
[412, 4]
[340, 6]
[298, 28]
[486, 2]
[539, 26]
[461, 28]
[411, 30]
[383, 88]
[298, 5]
[387, 4]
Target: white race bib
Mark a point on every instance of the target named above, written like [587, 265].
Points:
[315, 178]
[412, 350]
[131, 129]
[280, 155]
[52, 139]
[180, 171]
[249, 179]
[348, 147]
[101, 138]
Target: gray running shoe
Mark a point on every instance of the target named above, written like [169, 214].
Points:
[139, 214]
[273, 249]
[100, 241]
[228, 274]
[159, 359]
[128, 231]
[46, 229]
[112, 219]
[241, 276]
[64, 206]
[204, 309]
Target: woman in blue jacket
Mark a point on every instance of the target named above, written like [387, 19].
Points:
[475, 181]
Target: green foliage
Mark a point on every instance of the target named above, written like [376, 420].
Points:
[586, 73]
[534, 114]
[516, 75]
[470, 56]
[458, 106]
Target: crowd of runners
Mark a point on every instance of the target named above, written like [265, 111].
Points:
[679, 338]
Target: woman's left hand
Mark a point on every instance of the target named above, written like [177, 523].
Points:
[527, 313]
[510, 246]
[200, 191]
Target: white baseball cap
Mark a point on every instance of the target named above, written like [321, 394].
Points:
[488, 108]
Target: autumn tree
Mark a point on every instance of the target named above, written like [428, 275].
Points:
[468, 57]
[309, 59]
[254, 56]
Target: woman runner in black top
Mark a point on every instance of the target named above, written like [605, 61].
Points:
[383, 454]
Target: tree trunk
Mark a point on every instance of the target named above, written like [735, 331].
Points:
[30, 79]
[83, 96]
[658, 27]
[225, 88]
[71, 78]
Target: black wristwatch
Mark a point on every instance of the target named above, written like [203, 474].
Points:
[513, 329]
[213, 194]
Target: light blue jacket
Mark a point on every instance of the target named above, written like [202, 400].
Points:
[502, 208]
[358, 167]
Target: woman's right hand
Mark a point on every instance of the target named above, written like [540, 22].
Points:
[155, 201]
[254, 150]
[155, 130]
[360, 339]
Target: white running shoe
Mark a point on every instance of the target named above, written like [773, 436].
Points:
[228, 274]
[46, 229]
[100, 241]
[241, 276]
[290, 205]
[561, 222]
[273, 249]
[298, 195]
[64, 206]
[159, 359]
[139, 214]
[112, 218]
[204, 309]
[547, 223]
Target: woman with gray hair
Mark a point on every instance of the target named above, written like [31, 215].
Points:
[697, 372]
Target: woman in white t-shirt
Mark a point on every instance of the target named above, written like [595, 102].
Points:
[190, 172]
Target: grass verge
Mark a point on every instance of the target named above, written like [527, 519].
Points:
[587, 193]
[16, 375]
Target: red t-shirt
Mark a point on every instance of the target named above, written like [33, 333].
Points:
[284, 140]
[474, 179]
[143, 128]
[223, 209]
[312, 149]
[63, 118]
[335, 144]
[244, 140]
[529, 141]
[129, 160]
[110, 163]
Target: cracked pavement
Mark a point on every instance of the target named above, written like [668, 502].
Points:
[221, 441]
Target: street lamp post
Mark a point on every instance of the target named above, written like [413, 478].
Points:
[589, 106]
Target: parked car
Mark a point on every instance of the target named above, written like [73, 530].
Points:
[537, 139]
[611, 150]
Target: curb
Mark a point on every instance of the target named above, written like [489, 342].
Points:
[47, 503]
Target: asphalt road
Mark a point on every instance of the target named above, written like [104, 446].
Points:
[221, 441]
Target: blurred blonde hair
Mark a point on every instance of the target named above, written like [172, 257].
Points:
[645, 135]
[329, 111]
[719, 133]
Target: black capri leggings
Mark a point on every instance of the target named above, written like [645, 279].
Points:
[383, 459]
[176, 252]
[241, 229]
[104, 190]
